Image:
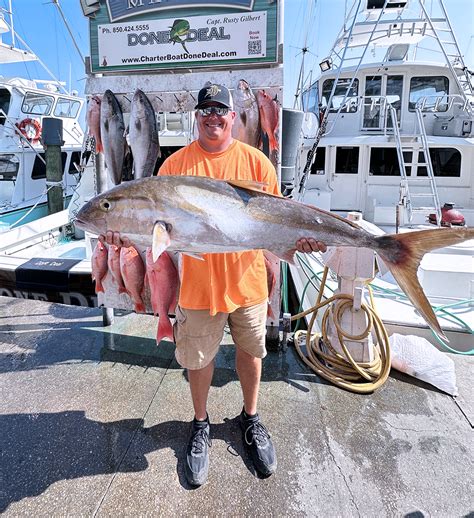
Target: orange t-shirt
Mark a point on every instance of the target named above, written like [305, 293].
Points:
[223, 282]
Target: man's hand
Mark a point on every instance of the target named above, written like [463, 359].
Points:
[114, 238]
[310, 245]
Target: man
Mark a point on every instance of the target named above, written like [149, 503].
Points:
[222, 289]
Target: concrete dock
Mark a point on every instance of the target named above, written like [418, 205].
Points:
[94, 422]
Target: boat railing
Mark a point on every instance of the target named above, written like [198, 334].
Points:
[446, 104]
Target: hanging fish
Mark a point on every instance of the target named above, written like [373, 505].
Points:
[164, 286]
[99, 266]
[133, 275]
[143, 135]
[93, 121]
[246, 126]
[112, 131]
[269, 117]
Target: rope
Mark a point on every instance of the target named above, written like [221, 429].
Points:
[341, 369]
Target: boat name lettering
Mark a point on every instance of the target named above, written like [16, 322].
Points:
[72, 298]
[159, 37]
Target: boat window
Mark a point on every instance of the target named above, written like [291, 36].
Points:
[37, 104]
[372, 102]
[39, 169]
[318, 165]
[5, 98]
[66, 108]
[446, 163]
[347, 160]
[9, 165]
[380, 4]
[350, 104]
[384, 162]
[431, 92]
[310, 99]
[394, 97]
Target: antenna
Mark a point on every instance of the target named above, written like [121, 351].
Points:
[304, 51]
[56, 3]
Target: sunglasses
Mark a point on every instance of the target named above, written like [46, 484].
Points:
[205, 112]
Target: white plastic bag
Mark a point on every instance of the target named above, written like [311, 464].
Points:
[416, 357]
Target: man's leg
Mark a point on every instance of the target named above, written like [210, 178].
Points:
[197, 337]
[247, 326]
[249, 370]
[200, 382]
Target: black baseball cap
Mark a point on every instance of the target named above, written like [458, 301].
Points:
[214, 93]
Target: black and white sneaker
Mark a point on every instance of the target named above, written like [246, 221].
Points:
[197, 453]
[258, 443]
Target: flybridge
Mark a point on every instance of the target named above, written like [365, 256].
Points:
[152, 38]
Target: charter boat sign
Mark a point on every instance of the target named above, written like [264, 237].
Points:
[152, 34]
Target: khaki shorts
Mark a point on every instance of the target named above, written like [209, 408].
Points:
[197, 334]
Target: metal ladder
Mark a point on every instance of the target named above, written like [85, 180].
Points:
[450, 48]
[429, 194]
[337, 59]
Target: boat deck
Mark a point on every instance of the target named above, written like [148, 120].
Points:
[94, 421]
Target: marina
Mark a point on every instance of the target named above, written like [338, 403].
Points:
[100, 430]
[25, 105]
[383, 139]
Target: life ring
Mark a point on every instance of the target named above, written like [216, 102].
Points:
[30, 129]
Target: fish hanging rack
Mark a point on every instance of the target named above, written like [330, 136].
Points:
[181, 90]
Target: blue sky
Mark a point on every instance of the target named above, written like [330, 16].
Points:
[40, 25]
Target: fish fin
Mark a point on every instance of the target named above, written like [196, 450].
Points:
[195, 255]
[249, 184]
[98, 286]
[161, 239]
[402, 253]
[287, 255]
[99, 148]
[106, 124]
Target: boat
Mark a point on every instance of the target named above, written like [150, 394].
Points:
[391, 137]
[24, 105]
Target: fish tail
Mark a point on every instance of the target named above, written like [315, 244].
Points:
[402, 254]
[270, 313]
[273, 142]
[165, 329]
[140, 306]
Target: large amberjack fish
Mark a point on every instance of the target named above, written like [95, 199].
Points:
[269, 117]
[112, 133]
[246, 126]
[99, 266]
[163, 280]
[93, 121]
[143, 135]
[198, 215]
[133, 275]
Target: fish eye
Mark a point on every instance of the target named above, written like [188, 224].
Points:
[105, 205]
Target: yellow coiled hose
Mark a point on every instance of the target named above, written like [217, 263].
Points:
[343, 370]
